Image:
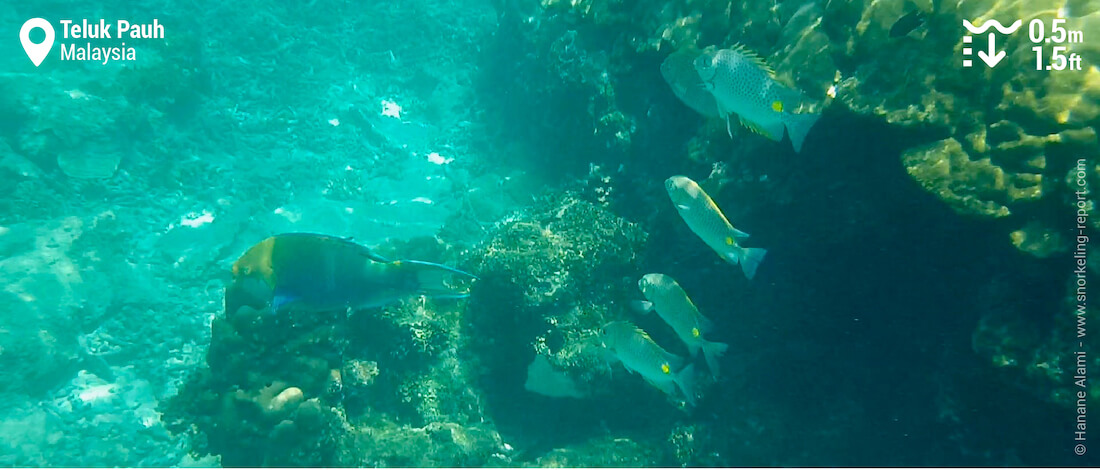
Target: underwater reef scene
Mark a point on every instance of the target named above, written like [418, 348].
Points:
[549, 233]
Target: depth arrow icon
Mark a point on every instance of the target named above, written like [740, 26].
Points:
[992, 57]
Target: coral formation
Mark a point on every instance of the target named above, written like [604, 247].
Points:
[996, 141]
[562, 269]
[339, 388]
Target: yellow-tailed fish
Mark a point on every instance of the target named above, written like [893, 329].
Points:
[673, 305]
[744, 85]
[704, 218]
[640, 354]
[306, 271]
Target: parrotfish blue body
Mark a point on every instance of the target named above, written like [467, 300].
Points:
[306, 271]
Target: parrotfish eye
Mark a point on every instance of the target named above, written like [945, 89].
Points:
[729, 241]
[695, 332]
[665, 368]
[777, 106]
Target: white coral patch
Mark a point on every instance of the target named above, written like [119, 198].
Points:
[97, 394]
[391, 109]
[439, 159]
[195, 219]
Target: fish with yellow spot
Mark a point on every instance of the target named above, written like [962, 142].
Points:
[706, 220]
[313, 272]
[640, 354]
[664, 295]
[743, 84]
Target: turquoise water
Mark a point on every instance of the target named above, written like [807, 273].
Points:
[917, 305]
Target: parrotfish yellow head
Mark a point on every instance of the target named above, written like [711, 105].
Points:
[256, 263]
[253, 278]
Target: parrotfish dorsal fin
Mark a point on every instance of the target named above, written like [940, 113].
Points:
[753, 57]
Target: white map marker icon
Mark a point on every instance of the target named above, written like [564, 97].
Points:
[37, 52]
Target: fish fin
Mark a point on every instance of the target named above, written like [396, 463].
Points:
[685, 379]
[711, 353]
[753, 57]
[750, 259]
[432, 279]
[798, 125]
[738, 235]
[642, 306]
[279, 300]
[773, 131]
[729, 127]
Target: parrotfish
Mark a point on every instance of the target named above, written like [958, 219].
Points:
[706, 220]
[673, 305]
[639, 353]
[743, 84]
[306, 271]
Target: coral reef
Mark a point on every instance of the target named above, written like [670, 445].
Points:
[338, 388]
[562, 269]
[1010, 147]
[997, 142]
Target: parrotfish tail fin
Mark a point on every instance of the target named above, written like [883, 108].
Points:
[798, 125]
[685, 379]
[750, 259]
[712, 352]
[434, 280]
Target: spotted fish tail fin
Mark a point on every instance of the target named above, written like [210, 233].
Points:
[435, 280]
[798, 125]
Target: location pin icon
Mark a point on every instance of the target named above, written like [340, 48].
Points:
[37, 52]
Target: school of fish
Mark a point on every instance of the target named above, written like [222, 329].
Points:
[306, 272]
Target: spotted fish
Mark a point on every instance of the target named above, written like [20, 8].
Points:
[743, 84]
